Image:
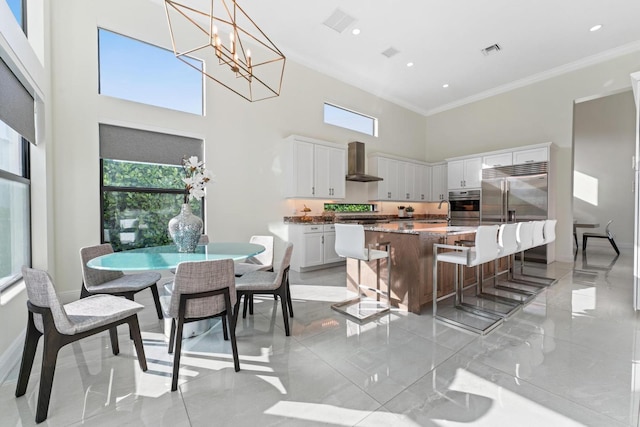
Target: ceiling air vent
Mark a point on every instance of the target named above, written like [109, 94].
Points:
[339, 21]
[392, 51]
[489, 50]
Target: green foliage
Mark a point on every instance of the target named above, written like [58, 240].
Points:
[140, 219]
[345, 207]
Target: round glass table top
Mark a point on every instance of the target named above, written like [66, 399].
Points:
[168, 257]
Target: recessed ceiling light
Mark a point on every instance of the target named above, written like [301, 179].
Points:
[595, 28]
[355, 31]
[409, 64]
[446, 85]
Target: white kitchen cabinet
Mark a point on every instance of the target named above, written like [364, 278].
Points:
[533, 155]
[497, 160]
[423, 183]
[314, 169]
[313, 246]
[439, 187]
[387, 169]
[465, 173]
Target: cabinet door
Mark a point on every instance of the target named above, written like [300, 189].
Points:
[303, 169]
[337, 173]
[455, 174]
[497, 160]
[330, 254]
[472, 173]
[312, 251]
[423, 183]
[530, 156]
[322, 171]
[410, 172]
[438, 182]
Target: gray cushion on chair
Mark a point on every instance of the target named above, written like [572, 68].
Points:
[257, 280]
[102, 281]
[243, 268]
[77, 316]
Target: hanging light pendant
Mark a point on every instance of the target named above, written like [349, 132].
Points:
[236, 53]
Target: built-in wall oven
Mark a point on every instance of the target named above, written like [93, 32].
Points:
[465, 207]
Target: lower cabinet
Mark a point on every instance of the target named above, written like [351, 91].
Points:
[313, 246]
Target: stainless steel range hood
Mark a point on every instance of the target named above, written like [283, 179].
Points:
[356, 164]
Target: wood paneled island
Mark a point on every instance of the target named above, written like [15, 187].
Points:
[411, 262]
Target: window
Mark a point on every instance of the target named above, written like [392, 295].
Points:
[348, 119]
[137, 71]
[15, 232]
[349, 207]
[141, 185]
[19, 10]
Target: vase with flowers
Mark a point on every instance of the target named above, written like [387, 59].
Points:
[185, 228]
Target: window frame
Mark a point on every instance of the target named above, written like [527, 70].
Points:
[143, 190]
[24, 179]
[374, 120]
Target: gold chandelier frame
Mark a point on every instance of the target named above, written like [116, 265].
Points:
[250, 65]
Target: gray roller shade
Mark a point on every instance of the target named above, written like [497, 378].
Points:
[120, 143]
[16, 104]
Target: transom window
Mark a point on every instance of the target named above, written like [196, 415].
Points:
[349, 119]
[137, 71]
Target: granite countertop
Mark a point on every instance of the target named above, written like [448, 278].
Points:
[419, 228]
[331, 218]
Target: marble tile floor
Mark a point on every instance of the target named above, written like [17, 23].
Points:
[568, 358]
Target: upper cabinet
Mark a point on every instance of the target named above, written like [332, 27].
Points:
[516, 157]
[402, 180]
[439, 187]
[314, 169]
[465, 173]
[533, 155]
[497, 160]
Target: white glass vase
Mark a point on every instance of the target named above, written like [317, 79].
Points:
[185, 229]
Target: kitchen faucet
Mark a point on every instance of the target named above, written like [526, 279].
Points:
[448, 209]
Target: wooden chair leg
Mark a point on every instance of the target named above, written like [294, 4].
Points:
[615, 247]
[232, 332]
[584, 243]
[113, 334]
[156, 300]
[244, 307]
[176, 356]
[28, 355]
[134, 328]
[289, 303]
[285, 311]
[251, 305]
[172, 336]
[52, 345]
[225, 334]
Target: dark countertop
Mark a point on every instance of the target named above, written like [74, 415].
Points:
[420, 228]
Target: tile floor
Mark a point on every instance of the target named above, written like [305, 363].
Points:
[568, 358]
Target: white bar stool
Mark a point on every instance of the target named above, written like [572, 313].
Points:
[485, 250]
[531, 235]
[350, 243]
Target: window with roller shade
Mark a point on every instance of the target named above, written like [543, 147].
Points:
[17, 128]
[141, 184]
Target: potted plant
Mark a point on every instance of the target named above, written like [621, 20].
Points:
[401, 211]
[409, 211]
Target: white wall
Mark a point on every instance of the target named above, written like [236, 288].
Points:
[242, 140]
[540, 112]
[604, 143]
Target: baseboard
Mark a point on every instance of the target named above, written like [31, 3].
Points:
[11, 357]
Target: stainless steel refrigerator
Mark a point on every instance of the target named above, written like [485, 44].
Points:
[515, 194]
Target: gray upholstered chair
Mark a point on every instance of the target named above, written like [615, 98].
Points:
[201, 290]
[64, 324]
[115, 282]
[268, 283]
[261, 262]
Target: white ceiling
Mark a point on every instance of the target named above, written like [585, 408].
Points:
[444, 38]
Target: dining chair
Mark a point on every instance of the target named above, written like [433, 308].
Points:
[262, 261]
[63, 324]
[115, 282]
[201, 290]
[606, 235]
[268, 283]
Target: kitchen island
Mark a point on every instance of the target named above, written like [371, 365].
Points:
[411, 262]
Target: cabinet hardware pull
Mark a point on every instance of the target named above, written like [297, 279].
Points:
[313, 190]
[528, 161]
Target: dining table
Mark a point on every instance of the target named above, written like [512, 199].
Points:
[167, 258]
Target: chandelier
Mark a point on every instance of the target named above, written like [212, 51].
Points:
[235, 51]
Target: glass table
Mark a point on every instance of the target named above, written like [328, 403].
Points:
[168, 257]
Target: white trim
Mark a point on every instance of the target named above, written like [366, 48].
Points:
[11, 357]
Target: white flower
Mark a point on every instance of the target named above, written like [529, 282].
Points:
[196, 177]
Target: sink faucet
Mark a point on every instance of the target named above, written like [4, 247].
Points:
[448, 209]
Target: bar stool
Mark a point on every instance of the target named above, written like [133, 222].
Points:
[531, 235]
[350, 243]
[607, 235]
[485, 250]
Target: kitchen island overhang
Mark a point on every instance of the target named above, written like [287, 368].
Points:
[411, 263]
